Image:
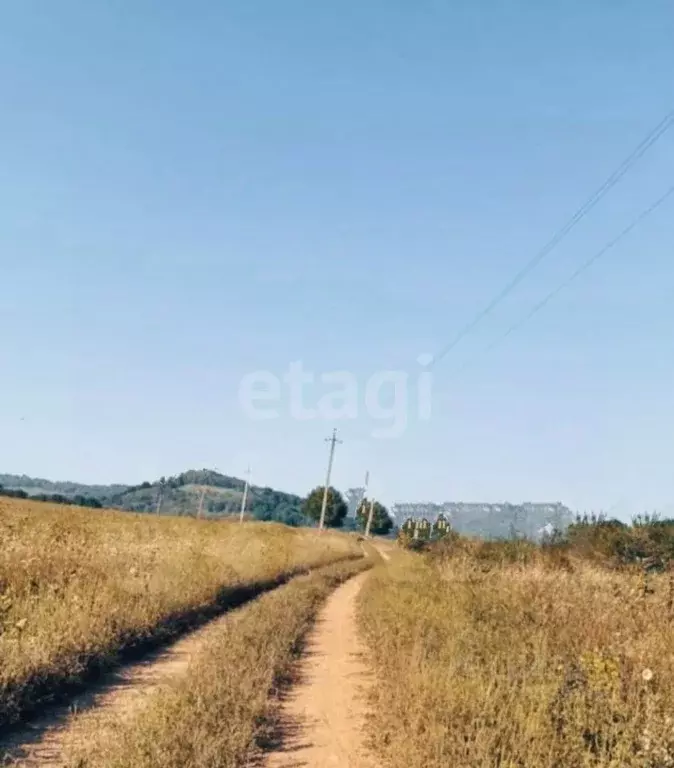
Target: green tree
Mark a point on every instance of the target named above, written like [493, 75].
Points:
[381, 520]
[335, 511]
[423, 529]
[441, 527]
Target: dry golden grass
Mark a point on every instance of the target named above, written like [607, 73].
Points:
[218, 713]
[527, 666]
[76, 585]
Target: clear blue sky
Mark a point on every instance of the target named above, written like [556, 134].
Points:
[194, 191]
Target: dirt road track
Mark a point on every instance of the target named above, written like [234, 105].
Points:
[322, 721]
[118, 697]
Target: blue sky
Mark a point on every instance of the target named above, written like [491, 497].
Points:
[193, 192]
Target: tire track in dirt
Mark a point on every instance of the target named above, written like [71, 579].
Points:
[119, 692]
[321, 723]
[53, 698]
[117, 697]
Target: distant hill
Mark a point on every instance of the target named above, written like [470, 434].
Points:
[36, 485]
[178, 495]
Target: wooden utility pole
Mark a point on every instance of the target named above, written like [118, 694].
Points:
[369, 519]
[245, 495]
[201, 502]
[333, 441]
[203, 491]
[160, 496]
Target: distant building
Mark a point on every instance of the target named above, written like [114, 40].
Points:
[545, 531]
[488, 520]
[420, 509]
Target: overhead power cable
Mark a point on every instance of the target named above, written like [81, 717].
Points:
[583, 268]
[663, 126]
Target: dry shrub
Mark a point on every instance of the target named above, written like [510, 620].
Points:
[503, 659]
[76, 586]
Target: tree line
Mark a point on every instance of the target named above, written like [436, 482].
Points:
[337, 509]
[53, 498]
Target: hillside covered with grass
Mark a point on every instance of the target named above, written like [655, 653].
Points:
[178, 495]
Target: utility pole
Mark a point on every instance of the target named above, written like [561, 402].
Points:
[160, 494]
[363, 500]
[203, 493]
[333, 441]
[201, 502]
[369, 519]
[245, 495]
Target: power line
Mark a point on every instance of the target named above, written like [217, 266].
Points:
[583, 268]
[662, 127]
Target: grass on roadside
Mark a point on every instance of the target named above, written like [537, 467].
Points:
[77, 586]
[485, 663]
[215, 714]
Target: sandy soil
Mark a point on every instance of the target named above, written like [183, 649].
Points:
[322, 719]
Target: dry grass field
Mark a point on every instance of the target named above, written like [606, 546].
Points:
[548, 663]
[219, 713]
[77, 586]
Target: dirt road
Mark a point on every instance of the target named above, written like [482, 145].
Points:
[322, 721]
[118, 697]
